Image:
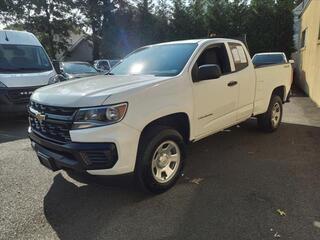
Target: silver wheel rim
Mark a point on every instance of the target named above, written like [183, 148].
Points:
[165, 161]
[276, 114]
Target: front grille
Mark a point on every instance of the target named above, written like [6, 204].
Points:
[57, 123]
[20, 95]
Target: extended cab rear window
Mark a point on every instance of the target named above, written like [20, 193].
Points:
[239, 56]
[23, 58]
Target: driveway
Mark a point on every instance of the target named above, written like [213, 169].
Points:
[238, 184]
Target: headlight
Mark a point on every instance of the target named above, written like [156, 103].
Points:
[2, 85]
[99, 116]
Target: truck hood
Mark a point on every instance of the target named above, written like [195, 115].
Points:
[26, 79]
[90, 91]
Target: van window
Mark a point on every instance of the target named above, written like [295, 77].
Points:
[239, 56]
[23, 59]
[216, 54]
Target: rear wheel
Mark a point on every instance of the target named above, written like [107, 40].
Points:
[270, 120]
[160, 159]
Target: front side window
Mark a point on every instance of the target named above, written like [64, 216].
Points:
[78, 68]
[239, 56]
[158, 60]
[23, 59]
[215, 54]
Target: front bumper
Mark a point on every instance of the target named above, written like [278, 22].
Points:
[75, 156]
[119, 141]
[16, 99]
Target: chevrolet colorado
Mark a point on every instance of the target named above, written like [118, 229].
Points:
[140, 116]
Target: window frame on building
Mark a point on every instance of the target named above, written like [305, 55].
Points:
[303, 38]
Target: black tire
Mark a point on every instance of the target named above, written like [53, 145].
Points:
[265, 120]
[149, 143]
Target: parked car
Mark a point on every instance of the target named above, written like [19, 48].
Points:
[270, 58]
[72, 70]
[140, 116]
[24, 67]
[104, 65]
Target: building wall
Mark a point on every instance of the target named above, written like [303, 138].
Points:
[82, 52]
[309, 78]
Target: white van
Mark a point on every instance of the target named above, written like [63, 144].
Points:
[24, 67]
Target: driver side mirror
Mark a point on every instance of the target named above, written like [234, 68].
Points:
[209, 71]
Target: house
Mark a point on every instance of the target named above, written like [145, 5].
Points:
[80, 49]
[307, 42]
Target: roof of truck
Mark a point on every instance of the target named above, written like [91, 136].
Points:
[18, 37]
[201, 41]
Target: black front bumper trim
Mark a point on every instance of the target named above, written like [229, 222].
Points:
[75, 156]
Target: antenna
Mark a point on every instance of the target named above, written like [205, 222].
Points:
[6, 38]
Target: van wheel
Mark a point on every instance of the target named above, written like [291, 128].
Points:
[160, 159]
[270, 120]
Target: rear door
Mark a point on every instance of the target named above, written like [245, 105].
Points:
[243, 73]
[215, 100]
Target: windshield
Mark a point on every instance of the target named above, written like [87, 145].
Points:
[23, 58]
[78, 68]
[159, 60]
[268, 59]
[113, 62]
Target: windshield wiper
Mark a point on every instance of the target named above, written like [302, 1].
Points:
[109, 73]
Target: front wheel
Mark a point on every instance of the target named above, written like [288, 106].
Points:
[160, 159]
[270, 120]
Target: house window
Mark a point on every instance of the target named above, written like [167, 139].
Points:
[303, 38]
[319, 32]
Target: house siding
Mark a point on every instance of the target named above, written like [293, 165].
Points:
[309, 59]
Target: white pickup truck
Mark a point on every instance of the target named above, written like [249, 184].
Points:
[140, 116]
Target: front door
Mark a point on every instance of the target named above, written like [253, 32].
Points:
[215, 100]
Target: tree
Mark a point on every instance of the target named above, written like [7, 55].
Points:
[216, 17]
[161, 33]
[145, 21]
[197, 26]
[92, 10]
[180, 20]
[284, 28]
[51, 21]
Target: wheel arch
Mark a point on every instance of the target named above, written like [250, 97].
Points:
[279, 91]
[179, 121]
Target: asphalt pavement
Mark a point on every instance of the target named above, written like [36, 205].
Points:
[237, 184]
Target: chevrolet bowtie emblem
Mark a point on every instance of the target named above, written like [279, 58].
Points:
[40, 117]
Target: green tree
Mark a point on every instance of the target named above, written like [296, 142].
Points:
[145, 21]
[216, 17]
[180, 20]
[92, 10]
[284, 28]
[51, 21]
[161, 32]
[197, 27]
